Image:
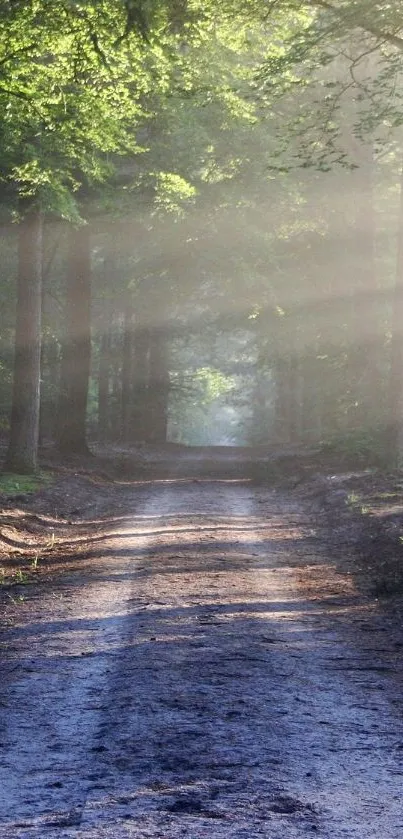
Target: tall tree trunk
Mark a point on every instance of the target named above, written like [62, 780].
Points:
[262, 408]
[127, 370]
[23, 445]
[281, 425]
[261, 431]
[115, 397]
[76, 352]
[287, 383]
[105, 347]
[50, 352]
[366, 341]
[50, 364]
[294, 406]
[395, 394]
[158, 386]
[311, 408]
[103, 385]
[139, 426]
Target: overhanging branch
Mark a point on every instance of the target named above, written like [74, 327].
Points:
[362, 22]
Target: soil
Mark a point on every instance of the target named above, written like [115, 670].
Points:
[202, 644]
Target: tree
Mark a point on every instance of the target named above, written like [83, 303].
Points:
[395, 389]
[60, 123]
[76, 347]
[209, 91]
[23, 443]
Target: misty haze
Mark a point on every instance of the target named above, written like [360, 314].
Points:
[201, 419]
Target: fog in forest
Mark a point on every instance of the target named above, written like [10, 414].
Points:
[201, 230]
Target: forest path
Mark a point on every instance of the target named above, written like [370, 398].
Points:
[207, 673]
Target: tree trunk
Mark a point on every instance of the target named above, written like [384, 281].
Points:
[23, 445]
[76, 352]
[311, 413]
[366, 341]
[395, 395]
[115, 396]
[294, 407]
[158, 386]
[139, 425]
[287, 415]
[105, 346]
[127, 371]
[262, 405]
[50, 364]
[281, 426]
[53, 236]
[103, 384]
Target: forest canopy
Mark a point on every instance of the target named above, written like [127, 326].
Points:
[201, 224]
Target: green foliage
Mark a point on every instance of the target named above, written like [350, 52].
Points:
[214, 129]
[11, 484]
[70, 97]
[200, 411]
[173, 193]
[213, 384]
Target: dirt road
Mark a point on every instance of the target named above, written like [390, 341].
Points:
[207, 672]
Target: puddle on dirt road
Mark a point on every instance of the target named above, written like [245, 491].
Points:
[210, 675]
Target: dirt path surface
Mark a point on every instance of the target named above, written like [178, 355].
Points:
[206, 671]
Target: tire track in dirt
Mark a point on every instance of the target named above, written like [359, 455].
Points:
[55, 672]
[213, 677]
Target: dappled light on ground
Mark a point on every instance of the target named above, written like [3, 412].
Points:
[201, 665]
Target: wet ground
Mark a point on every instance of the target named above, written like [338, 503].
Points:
[203, 669]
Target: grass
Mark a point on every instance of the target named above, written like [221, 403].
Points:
[9, 582]
[19, 576]
[11, 484]
[354, 501]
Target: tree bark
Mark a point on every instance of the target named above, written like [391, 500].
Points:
[287, 383]
[139, 425]
[281, 425]
[311, 394]
[127, 370]
[395, 391]
[366, 342]
[158, 386]
[76, 351]
[24, 431]
[115, 398]
[103, 384]
[50, 364]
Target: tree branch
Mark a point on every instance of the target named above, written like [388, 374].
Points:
[362, 23]
[18, 93]
[16, 53]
